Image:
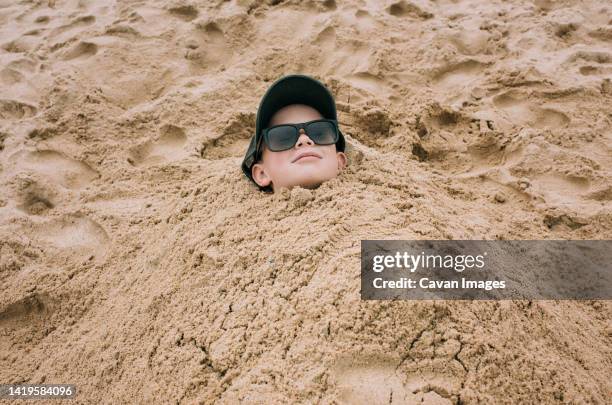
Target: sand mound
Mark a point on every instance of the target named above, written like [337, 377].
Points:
[138, 263]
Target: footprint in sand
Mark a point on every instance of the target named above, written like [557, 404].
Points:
[432, 388]
[560, 189]
[601, 57]
[598, 62]
[364, 22]
[80, 50]
[26, 64]
[24, 44]
[407, 9]
[369, 380]
[368, 82]
[233, 141]
[207, 47]
[590, 70]
[470, 40]
[348, 58]
[33, 308]
[31, 314]
[459, 75]
[18, 72]
[79, 22]
[69, 173]
[186, 13]
[34, 198]
[523, 112]
[67, 34]
[35, 204]
[168, 147]
[128, 91]
[13, 109]
[124, 30]
[76, 233]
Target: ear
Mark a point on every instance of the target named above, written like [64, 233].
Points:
[341, 160]
[259, 175]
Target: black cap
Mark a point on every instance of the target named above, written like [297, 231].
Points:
[292, 89]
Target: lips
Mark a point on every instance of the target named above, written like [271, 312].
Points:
[304, 154]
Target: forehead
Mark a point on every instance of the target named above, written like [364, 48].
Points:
[294, 113]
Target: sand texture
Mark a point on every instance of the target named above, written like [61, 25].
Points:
[137, 262]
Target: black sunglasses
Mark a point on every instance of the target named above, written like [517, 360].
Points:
[283, 137]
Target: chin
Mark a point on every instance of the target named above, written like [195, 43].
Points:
[312, 182]
[308, 180]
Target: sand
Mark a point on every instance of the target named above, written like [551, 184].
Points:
[138, 263]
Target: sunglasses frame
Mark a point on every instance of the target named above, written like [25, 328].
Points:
[265, 137]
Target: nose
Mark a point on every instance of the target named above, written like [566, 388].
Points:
[303, 139]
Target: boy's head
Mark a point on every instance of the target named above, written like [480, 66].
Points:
[276, 160]
[306, 164]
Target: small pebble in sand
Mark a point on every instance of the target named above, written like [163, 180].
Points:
[478, 93]
[500, 197]
[524, 183]
[193, 54]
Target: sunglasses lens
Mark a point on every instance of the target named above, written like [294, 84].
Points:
[322, 133]
[282, 138]
[285, 136]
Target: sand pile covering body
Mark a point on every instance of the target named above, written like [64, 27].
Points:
[137, 262]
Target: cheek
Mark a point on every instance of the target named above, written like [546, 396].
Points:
[329, 153]
[329, 150]
[276, 161]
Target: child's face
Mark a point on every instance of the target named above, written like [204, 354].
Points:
[281, 169]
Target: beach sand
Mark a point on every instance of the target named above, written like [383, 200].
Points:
[139, 263]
